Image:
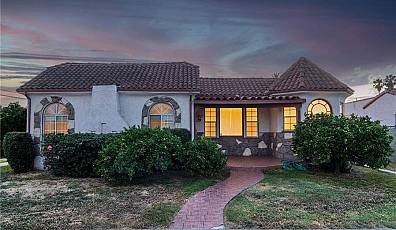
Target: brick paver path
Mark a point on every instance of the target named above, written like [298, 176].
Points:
[205, 209]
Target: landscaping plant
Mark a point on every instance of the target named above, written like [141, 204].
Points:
[12, 119]
[73, 154]
[19, 151]
[336, 142]
[137, 152]
[203, 158]
[183, 134]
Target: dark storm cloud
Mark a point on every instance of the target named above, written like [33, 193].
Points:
[354, 40]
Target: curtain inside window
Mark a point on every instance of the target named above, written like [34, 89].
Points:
[231, 121]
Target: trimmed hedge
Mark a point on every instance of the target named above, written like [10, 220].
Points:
[203, 158]
[336, 142]
[183, 134]
[19, 151]
[137, 152]
[73, 154]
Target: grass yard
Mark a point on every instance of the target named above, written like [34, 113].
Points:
[364, 199]
[392, 166]
[39, 200]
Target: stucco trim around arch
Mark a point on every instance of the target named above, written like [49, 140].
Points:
[160, 99]
[38, 112]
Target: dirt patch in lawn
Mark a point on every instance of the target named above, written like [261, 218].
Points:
[363, 199]
[41, 201]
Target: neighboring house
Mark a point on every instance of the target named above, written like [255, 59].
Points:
[246, 116]
[381, 107]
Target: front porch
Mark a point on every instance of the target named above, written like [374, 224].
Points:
[255, 126]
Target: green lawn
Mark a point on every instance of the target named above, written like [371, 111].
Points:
[39, 200]
[392, 166]
[364, 199]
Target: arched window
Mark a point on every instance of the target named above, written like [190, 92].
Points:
[162, 115]
[319, 106]
[55, 119]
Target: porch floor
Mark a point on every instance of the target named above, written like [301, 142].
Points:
[254, 162]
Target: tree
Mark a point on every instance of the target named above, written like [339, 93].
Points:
[378, 84]
[276, 75]
[390, 81]
[12, 118]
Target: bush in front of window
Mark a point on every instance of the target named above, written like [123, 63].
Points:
[137, 152]
[337, 142]
[73, 154]
[19, 151]
[203, 158]
[183, 134]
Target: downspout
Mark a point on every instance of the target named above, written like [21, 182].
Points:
[192, 117]
[28, 110]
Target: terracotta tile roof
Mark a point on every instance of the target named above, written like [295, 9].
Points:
[390, 91]
[174, 76]
[304, 75]
[233, 87]
[180, 76]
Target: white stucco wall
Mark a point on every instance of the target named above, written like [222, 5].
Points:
[106, 110]
[383, 109]
[131, 104]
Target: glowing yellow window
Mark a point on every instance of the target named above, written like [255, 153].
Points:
[210, 122]
[289, 118]
[319, 106]
[231, 121]
[251, 122]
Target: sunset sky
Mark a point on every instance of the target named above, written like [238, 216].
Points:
[353, 40]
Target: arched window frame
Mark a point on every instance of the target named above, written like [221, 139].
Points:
[56, 115]
[163, 117]
[327, 105]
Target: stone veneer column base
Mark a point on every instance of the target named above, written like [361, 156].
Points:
[278, 145]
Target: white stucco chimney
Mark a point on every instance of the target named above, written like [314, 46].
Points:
[105, 115]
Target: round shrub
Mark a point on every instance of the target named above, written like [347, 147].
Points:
[183, 134]
[73, 154]
[19, 151]
[137, 152]
[203, 158]
[336, 142]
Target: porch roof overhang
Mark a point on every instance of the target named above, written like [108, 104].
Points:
[245, 100]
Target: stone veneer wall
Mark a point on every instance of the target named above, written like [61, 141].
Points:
[38, 111]
[154, 100]
[278, 145]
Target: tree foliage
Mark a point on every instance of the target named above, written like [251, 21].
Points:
[19, 150]
[388, 83]
[12, 118]
[339, 141]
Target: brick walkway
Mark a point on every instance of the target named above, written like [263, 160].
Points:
[205, 209]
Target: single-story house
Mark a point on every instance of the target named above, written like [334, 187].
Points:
[246, 116]
[381, 107]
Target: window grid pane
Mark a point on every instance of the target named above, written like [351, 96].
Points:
[251, 122]
[56, 120]
[289, 118]
[210, 122]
